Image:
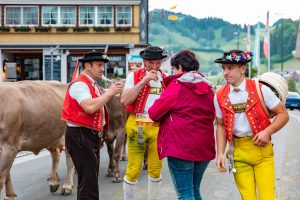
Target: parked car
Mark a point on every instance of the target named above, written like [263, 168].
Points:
[292, 100]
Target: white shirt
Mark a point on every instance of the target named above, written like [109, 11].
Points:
[241, 125]
[81, 91]
[152, 97]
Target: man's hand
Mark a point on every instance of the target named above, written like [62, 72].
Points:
[115, 88]
[262, 138]
[152, 75]
[221, 163]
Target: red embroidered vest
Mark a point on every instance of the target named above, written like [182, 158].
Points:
[139, 104]
[73, 113]
[256, 116]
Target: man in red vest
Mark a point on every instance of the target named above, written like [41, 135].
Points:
[242, 122]
[85, 114]
[141, 89]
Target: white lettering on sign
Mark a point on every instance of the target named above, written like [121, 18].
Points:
[115, 58]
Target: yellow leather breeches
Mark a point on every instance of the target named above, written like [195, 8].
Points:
[136, 151]
[254, 165]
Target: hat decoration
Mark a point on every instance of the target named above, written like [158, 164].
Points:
[244, 57]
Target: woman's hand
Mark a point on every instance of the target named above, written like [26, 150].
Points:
[221, 163]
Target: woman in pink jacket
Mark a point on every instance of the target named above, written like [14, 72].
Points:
[186, 114]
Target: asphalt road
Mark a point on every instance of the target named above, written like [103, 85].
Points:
[29, 174]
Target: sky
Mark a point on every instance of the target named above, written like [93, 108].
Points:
[234, 11]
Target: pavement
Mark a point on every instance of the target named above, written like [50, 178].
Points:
[29, 174]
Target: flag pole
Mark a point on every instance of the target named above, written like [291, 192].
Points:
[256, 50]
[248, 48]
[267, 43]
[269, 49]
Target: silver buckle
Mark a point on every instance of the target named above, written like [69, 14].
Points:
[100, 134]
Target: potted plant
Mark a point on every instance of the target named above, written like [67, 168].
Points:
[122, 29]
[4, 29]
[22, 29]
[62, 29]
[81, 29]
[101, 29]
[42, 28]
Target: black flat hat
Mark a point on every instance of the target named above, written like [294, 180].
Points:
[153, 53]
[235, 57]
[94, 56]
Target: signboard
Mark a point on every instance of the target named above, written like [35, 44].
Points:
[56, 68]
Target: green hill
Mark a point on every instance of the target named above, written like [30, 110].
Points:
[209, 37]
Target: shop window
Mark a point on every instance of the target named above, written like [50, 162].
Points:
[50, 15]
[87, 15]
[52, 68]
[124, 16]
[32, 69]
[105, 16]
[116, 66]
[68, 15]
[28, 66]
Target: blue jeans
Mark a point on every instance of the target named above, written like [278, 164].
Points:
[187, 176]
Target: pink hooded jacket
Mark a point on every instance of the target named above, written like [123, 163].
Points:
[186, 114]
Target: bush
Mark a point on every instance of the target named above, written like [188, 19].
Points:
[253, 72]
[22, 29]
[4, 29]
[292, 85]
[101, 29]
[81, 29]
[42, 28]
[122, 29]
[62, 29]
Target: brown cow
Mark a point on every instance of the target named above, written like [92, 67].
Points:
[30, 121]
[116, 135]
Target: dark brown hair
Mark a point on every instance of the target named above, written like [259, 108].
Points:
[187, 59]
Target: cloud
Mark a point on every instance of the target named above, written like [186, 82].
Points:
[234, 11]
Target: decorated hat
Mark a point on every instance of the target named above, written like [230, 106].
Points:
[235, 57]
[153, 53]
[94, 56]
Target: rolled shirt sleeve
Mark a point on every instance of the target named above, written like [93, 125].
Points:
[129, 81]
[80, 91]
[271, 100]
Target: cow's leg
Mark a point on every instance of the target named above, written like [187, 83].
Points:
[110, 151]
[117, 153]
[7, 156]
[123, 150]
[68, 183]
[9, 189]
[53, 176]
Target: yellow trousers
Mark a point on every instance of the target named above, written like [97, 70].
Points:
[136, 151]
[254, 165]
